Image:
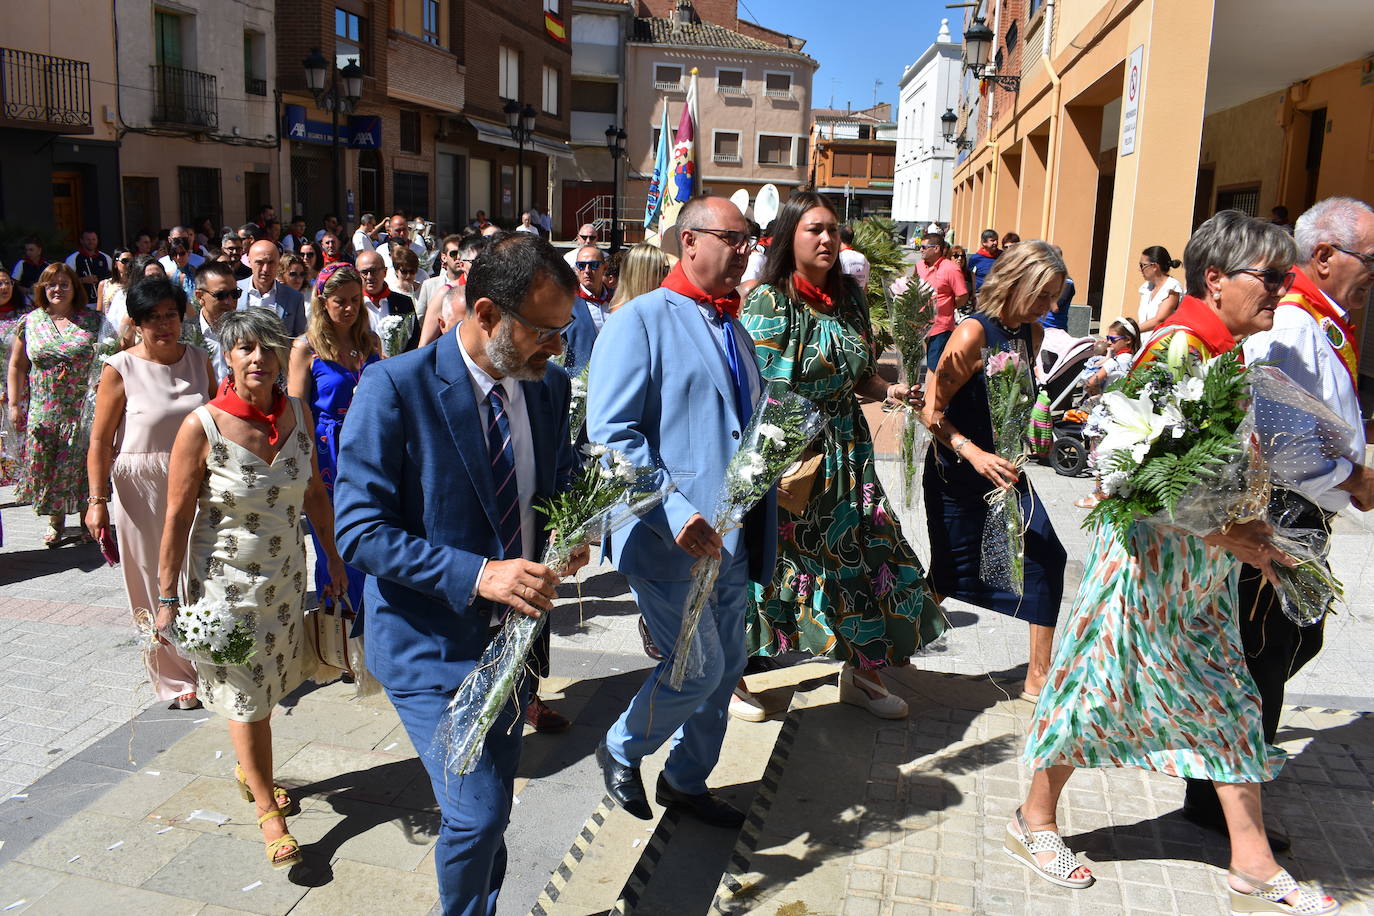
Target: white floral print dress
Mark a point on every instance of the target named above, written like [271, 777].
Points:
[247, 550]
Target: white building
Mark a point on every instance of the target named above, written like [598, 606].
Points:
[925, 162]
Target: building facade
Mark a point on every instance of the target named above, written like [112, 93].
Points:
[59, 120]
[586, 185]
[924, 175]
[853, 159]
[753, 100]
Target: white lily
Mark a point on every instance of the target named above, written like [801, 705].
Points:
[1178, 352]
[1190, 388]
[1134, 425]
[773, 434]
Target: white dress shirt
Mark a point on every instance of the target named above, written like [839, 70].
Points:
[600, 311]
[376, 311]
[251, 297]
[1298, 346]
[522, 443]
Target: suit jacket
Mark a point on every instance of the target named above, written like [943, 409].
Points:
[415, 508]
[579, 339]
[401, 304]
[290, 305]
[661, 393]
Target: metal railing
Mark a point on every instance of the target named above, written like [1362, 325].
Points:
[46, 92]
[668, 86]
[599, 212]
[784, 94]
[186, 98]
[254, 86]
[724, 89]
[725, 157]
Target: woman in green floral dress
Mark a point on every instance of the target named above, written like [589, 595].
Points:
[50, 371]
[847, 585]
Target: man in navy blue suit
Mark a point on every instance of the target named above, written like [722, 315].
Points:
[446, 452]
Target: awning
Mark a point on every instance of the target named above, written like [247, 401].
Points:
[499, 135]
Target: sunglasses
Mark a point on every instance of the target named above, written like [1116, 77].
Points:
[541, 335]
[406, 273]
[1114, 338]
[1274, 280]
[125, 261]
[368, 271]
[451, 254]
[587, 237]
[224, 295]
[588, 265]
[295, 274]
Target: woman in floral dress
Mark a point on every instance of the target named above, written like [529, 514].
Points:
[1149, 671]
[11, 434]
[50, 369]
[847, 585]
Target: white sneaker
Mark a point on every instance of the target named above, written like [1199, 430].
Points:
[861, 692]
[744, 705]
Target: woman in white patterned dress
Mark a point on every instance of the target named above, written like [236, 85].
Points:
[242, 473]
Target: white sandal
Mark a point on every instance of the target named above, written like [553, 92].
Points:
[1022, 844]
[1268, 897]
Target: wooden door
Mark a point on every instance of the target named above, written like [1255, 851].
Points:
[66, 205]
[576, 195]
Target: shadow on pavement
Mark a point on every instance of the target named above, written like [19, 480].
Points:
[23, 565]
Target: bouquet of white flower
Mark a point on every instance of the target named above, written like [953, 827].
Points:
[607, 494]
[210, 631]
[1011, 396]
[394, 331]
[782, 425]
[577, 413]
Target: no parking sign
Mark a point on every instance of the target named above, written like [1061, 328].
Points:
[1130, 102]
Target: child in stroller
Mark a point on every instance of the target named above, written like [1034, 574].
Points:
[1122, 340]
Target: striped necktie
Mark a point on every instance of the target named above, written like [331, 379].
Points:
[503, 474]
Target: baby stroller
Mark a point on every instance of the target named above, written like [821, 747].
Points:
[1057, 371]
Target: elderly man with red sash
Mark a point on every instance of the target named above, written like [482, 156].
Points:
[1313, 342]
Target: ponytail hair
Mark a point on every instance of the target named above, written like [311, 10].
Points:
[1160, 256]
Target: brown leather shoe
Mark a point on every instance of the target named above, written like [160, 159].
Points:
[650, 649]
[543, 719]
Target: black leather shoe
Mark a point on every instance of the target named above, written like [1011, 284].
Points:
[1215, 822]
[623, 784]
[708, 807]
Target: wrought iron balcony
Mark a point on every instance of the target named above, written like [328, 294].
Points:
[42, 92]
[184, 98]
[254, 86]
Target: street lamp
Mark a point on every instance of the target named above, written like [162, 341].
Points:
[520, 120]
[345, 88]
[615, 142]
[978, 39]
[949, 122]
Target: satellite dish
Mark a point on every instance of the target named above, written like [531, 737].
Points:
[766, 205]
[741, 200]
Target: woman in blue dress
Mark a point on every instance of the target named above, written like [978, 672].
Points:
[326, 363]
[964, 467]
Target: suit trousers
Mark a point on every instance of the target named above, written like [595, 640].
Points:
[470, 855]
[696, 715]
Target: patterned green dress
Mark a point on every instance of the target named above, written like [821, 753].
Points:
[1149, 671]
[847, 584]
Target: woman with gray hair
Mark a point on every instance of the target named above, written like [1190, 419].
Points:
[242, 472]
[1150, 671]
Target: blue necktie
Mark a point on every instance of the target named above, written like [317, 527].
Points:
[743, 402]
[503, 474]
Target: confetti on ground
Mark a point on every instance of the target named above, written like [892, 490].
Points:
[635, 844]
[253, 885]
[20, 795]
[219, 754]
[164, 829]
[391, 745]
[114, 845]
[213, 817]
[72, 859]
[198, 721]
[16, 904]
[153, 772]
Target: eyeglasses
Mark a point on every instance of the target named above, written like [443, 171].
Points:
[588, 238]
[1113, 338]
[541, 335]
[224, 295]
[932, 245]
[367, 271]
[452, 253]
[1366, 259]
[1275, 281]
[732, 237]
[295, 274]
[1145, 264]
[588, 265]
[405, 273]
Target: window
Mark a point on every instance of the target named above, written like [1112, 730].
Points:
[850, 165]
[653, 144]
[590, 95]
[551, 6]
[1246, 200]
[199, 192]
[777, 85]
[410, 131]
[668, 77]
[725, 146]
[775, 150]
[167, 28]
[730, 82]
[410, 192]
[550, 90]
[508, 73]
[883, 164]
[430, 23]
[254, 56]
[865, 132]
[348, 39]
[801, 155]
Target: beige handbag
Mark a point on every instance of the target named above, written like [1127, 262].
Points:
[336, 653]
[798, 481]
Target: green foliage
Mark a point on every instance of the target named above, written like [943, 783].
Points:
[876, 239]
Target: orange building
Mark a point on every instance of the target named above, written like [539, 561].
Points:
[853, 159]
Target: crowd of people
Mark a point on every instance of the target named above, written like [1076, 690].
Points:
[226, 403]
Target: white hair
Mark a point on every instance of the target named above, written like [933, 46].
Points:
[1332, 221]
[450, 302]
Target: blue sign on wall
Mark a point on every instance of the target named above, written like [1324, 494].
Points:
[360, 131]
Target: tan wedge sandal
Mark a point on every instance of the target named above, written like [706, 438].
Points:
[280, 843]
[1022, 844]
[279, 795]
[1268, 897]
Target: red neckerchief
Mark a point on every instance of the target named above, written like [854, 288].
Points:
[328, 259]
[229, 401]
[584, 293]
[86, 254]
[814, 296]
[36, 263]
[1199, 321]
[677, 282]
[385, 294]
[765, 242]
[987, 254]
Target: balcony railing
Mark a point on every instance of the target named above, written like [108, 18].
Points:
[184, 98]
[668, 85]
[784, 94]
[725, 157]
[42, 92]
[254, 86]
[724, 89]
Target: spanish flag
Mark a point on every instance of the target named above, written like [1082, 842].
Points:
[555, 27]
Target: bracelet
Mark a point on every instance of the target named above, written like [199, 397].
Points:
[96, 500]
[958, 446]
[168, 601]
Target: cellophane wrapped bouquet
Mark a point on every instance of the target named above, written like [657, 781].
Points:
[782, 425]
[911, 311]
[1011, 397]
[577, 411]
[394, 332]
[607, 493]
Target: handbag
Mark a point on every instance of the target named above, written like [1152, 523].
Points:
[327, 628]
[794, 489]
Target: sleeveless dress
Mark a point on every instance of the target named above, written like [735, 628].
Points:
[247, 550]
[332, 394]
[847, 584]
[157, 399]
[956, 510]
[1149, 670]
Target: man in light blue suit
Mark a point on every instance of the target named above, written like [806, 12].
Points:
[446, 452]
[262, 289]
[673, 382]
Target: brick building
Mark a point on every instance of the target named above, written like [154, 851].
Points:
[853, 159]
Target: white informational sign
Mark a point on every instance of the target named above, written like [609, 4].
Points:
[1130, 102]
